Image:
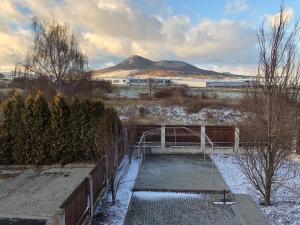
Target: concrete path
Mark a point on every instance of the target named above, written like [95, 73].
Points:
[155, 203]
[179, 173]
[193, 211]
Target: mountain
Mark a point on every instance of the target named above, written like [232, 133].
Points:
[137, 65]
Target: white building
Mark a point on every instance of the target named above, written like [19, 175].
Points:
[115, 80]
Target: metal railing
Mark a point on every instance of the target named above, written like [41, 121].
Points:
[142, 140]
[213, 153]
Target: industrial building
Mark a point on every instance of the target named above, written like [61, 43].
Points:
[178, 81]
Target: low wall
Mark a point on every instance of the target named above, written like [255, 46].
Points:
[191, 150]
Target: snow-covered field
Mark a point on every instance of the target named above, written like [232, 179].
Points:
[286, 202]
[178, 114]
[108, 214]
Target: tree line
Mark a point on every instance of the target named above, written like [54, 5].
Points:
[35, 132]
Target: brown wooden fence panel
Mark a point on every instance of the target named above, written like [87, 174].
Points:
[178, 134]
[75, 206]
[222, 136]
[98, 174]
[140, 129]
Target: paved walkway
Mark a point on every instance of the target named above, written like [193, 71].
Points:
[179, 173]
[193, 211]
[186, 173]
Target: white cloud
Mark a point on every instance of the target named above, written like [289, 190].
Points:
[274, 19]
[236, 6]
[243, 69]
[114, 29]
[220, 42]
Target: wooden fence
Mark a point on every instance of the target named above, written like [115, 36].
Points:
[182, 135]
[222, 136]
[77, 205]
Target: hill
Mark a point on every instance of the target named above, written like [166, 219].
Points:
[137, 65]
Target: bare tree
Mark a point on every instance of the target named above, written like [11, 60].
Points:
[131, 125]
[152, 84]
[108, 139]
[270, 110]
[55, 53]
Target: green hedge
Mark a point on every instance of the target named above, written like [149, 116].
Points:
[35, 132]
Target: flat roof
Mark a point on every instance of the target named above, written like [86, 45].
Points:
[38, 193]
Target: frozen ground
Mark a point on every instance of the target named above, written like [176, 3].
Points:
[178, 114]
[222, 93]
[153, 196]
[286, 205]
[108, 214]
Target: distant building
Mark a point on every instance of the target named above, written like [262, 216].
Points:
[135, 81]
[231, 83]
[190, 82]
[115, 80]
[177, 81]
[145, 82]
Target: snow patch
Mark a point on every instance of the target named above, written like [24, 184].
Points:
[286, 201]
[108, 214]
[152, 196]
[179, 114]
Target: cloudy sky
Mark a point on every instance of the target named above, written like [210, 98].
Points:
[216, 34]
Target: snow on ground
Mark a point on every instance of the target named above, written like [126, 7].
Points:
[179, 114]
[152, 196]
[286, 205]
[108, 214]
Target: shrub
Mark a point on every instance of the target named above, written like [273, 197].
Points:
[163, 93]
[60, 117]
[195, 104]
[31, 133]
[171, 92]
[142, 111]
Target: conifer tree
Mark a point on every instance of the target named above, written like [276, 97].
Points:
[87, 132]
[6, 138]
[28, 155]
[41, 129]
[60, 115]
[17, 128]
[98, 109]
[75, 124]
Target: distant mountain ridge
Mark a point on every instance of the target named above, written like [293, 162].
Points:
[146, 66]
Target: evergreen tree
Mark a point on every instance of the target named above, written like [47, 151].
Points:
[28, 117]
[75, 125]
[6, 138]
[60, 115]
[42, 128]
[87, 132]
[17, 128]
[98, 109]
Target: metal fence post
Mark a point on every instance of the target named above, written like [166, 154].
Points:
[237, 139]
[91, 195]
[202, 140]
[163, 136]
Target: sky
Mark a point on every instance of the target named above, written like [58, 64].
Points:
[216, 34]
